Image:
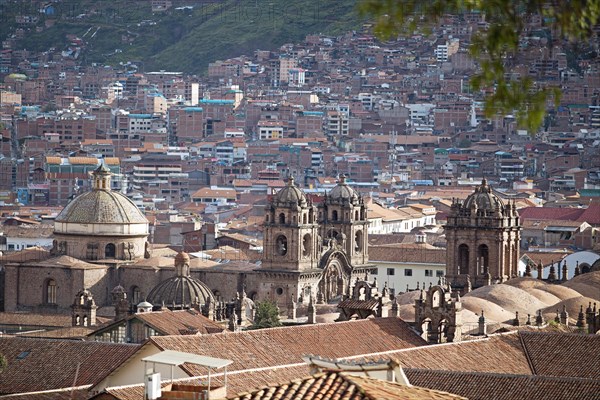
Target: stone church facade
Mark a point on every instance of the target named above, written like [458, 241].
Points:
[101, 242]
[313, 250]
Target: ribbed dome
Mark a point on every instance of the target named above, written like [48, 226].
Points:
[100, 207]
[180, 292]
[483, 198]
[290, 195]
[342, 192]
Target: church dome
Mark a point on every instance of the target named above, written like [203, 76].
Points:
[101, 206]
[101, 211]
[342, 192]
[181, 291]
[290, 195]
[483, 198]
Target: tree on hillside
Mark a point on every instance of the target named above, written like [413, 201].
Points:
[569, 21]
[266, 315]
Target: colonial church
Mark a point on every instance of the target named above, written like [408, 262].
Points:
[312, 252]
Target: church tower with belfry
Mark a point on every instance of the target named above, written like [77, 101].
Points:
[312, 252]
[483, 235]
[344, 218]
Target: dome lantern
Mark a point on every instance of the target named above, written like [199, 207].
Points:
[101, 177]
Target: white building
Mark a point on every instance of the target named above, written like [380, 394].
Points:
[408, 264]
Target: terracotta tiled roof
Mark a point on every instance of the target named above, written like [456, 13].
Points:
[68, 262]
[591, 215]
[67, 394]
[28, 319]
[45, 364]
[28, 231]
[410, 252]
[68, 332]
[370, 304]
[27, 255]
[545, 258]
[501, 354]
[214, 193]
[287, 345]
[334, 385]
[485, 386]
[563, 354]
[174, 322]
[552, 213]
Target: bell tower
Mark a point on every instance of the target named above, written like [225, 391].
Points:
[343, 218]
[483, 236]
[291, 240]
[291, 247]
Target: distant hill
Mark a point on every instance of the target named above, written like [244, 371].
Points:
[187, 36]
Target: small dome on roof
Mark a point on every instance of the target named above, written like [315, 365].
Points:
[144, 306]
[181, 291]
[118, 289]
[342, 192]
[290, 195]
[483, 198]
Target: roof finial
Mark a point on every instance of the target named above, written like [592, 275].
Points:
[342, 179]
[291, 181]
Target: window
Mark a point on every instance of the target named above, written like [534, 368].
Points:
[51, 291]
[439, 273]
[110, 251]
[428, 272]
[391, 271]
[407, 272]
[136, 297]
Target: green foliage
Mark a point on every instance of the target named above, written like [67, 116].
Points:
[189, 39]
[266, 315]
[3, 362]
[463, 144]
[572, 20]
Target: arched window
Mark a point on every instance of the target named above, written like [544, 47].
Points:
[334, 215]
[483, 258]
[50, 291]
[135, 295]
[585, 268]
[358, 239]
[356, 215]
[282, 218]
[282, 245]
[306, 245]
[110, 251]
[267, 218]
[304, 219]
